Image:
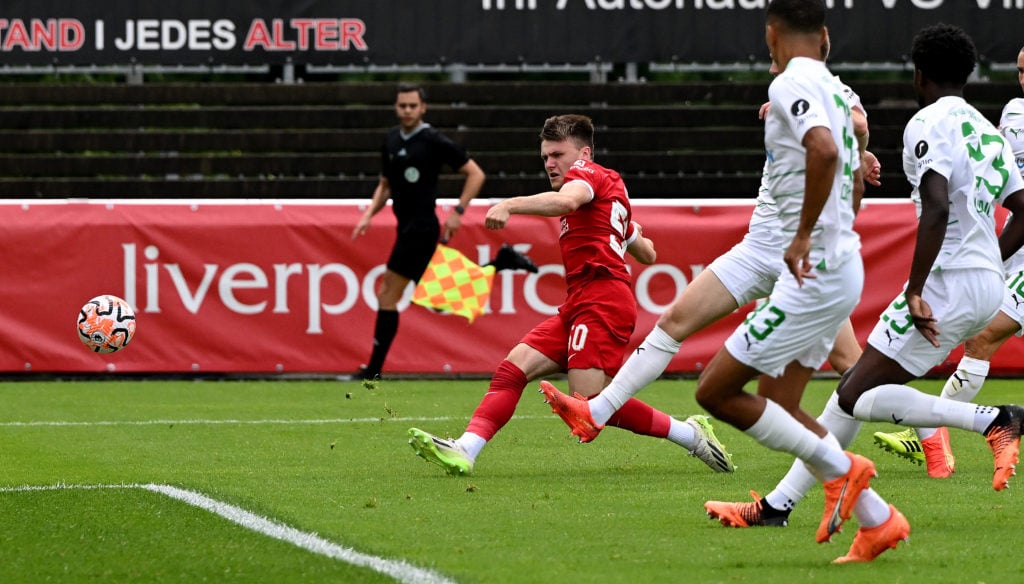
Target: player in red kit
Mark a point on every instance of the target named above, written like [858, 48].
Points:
[590, 333]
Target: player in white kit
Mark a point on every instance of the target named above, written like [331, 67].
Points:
[931, 445]
[959, 167]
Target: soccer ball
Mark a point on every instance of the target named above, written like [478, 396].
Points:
[106, 324]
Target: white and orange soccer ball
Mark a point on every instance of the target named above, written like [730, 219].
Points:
[106, 324]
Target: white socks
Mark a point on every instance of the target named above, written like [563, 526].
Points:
[472, 444]
[778, 430]
[645, 365]
[681, 433]
[900, 404]
[838, 423]
[966, 382]
[962, 386]
[871, 510]
[797, 482]
[842, 429]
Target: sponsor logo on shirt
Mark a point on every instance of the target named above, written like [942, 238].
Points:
[582, 165]
[412, 174]
[799, 107]
[920, 149]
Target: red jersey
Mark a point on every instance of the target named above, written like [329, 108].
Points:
[594, 237]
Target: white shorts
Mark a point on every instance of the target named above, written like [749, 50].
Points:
[750, 269]
[798, 323]
[962, 301]
[1013, 300]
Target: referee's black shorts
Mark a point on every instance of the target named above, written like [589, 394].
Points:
[414, 246]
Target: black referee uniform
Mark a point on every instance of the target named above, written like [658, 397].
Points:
[412, 164]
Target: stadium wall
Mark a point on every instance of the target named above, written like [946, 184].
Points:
[280, 287]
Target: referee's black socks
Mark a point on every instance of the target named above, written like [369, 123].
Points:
[383, 333]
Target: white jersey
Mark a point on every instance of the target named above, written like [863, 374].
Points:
[766, 211]
[806, 95]
[851, 97]
[952, 138]
[1011, 126]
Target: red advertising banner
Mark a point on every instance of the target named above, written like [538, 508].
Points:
[281, 287]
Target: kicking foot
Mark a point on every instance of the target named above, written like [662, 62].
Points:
[444, 453]
[574, 411]
[707, 447]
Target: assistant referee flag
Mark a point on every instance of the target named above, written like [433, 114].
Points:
[454, 284]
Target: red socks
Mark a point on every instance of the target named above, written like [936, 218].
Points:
[498, 405]
[640, 418]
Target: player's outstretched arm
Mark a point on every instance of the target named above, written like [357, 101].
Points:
[549, 204]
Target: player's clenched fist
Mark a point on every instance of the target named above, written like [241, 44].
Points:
[497, 216]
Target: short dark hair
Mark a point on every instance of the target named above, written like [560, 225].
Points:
[407, 87]
[944, 54]
[803, 16]
[577, 127]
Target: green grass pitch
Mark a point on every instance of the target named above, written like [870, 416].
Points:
[329, 461]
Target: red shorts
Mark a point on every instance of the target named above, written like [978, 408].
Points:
[591, 330]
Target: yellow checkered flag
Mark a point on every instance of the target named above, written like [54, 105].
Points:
[454, 284]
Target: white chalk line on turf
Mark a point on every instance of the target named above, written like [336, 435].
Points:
[397, 569]
[59, 423]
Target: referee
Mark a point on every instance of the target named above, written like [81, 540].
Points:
[411, 161]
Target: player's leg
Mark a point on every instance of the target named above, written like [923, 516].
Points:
[537, 355]
[758, 512]
[787, 391]
[774, 508]
[392, 286]
[893, 401]
[597, 338]
[839, 427]
[846, 349]
[972, 370]
[964, 301]
[798, 321]
[695, 434]
[931, 445]
[845, 476]
[744, 273]
[414, 246]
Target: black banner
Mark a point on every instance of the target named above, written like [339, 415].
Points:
[407, 32]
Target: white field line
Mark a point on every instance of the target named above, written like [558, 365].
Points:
[399, 570]
[199, 422]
